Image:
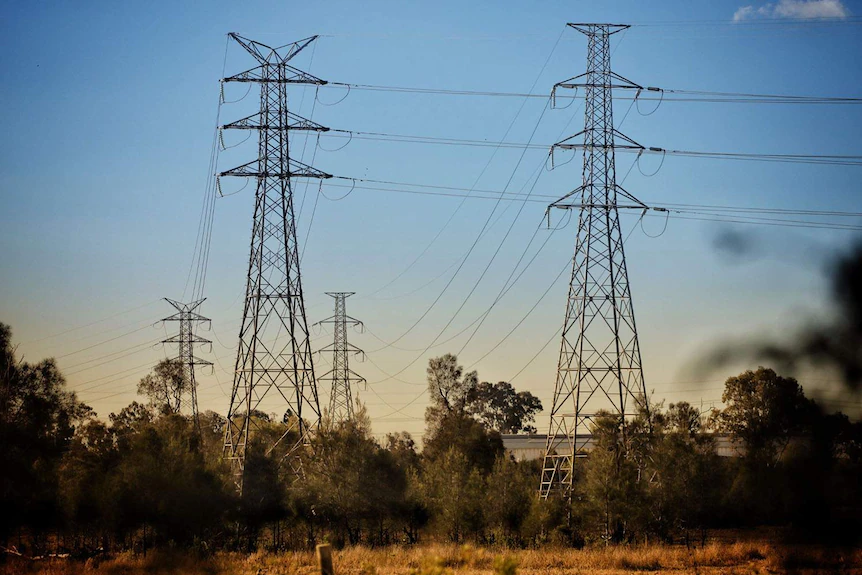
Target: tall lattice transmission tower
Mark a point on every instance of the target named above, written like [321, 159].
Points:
[188, 317]
[341, 376]
[600, 360]
[274, 370]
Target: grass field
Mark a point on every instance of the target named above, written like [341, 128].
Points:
[714, 558]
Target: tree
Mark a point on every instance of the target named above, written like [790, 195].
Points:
[509, 498]
[353, 485]
[460, 432]
[611, 488]
[448, 388]
[411, 513]
[84, 489]
[161, 480]
[165, 386]
[503, 409]
[38, 418]
[403, 449]
[131, 419]
[685, 419]
[448, 422]
[454, 490]
[763, 410]
[684, 471]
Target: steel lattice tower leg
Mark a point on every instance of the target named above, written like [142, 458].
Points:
[274, 370]
[600, 361]
[187, 317]
[341, 376]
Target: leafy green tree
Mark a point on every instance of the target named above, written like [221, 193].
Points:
[510, 495]
[414, 513]
[464, 434]
[764, 410]
[163, 481]
[685, 476]
[267, 476]
[685, 419]
[85, 490]
[448, 388]
[448, 423]
[403, 449]
[165, 386]
[453, 490]
[355, 487]
[212, 426]
[613, 495]
[503, 409]
[410, 513]
[38, 417]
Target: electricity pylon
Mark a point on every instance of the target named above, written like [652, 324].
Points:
[274, 370]
[600, 361]
[341, 376]
[187, 316]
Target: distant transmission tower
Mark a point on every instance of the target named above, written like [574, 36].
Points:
[341, 376]
[186, 340]
[274, 369]
[600, 361]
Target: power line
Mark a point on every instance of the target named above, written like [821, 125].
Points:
[501, 195]
[705, 209]
[676, 95]
[478, 178]
[765, 21]
[92, 323]
[203, 238]
[828, 159]
[127, 371]
[123, 353]
[494, 255]
[102, 342]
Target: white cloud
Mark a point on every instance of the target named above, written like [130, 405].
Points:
[794, 10]
[744, 13]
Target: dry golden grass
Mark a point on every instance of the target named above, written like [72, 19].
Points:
[713, 559]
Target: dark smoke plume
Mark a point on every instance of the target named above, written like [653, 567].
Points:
[734, 244]
[835, 342]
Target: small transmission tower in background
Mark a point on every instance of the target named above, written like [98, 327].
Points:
[274, 370]
[188, 317]
[600, 361]
[341, 376]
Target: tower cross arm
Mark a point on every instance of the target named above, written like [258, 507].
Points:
[352, 376]
[291, 76]
[198, 361]
[572, 143]
[297, 170]
[188, 339]
[616, 81]
[590, 28]
[186, 316]
[295, 122]
[356, 377]
[337, 319]
[344, 346]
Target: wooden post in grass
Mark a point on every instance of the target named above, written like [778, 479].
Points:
[324, 559]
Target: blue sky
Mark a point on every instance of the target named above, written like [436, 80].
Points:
[109, 110]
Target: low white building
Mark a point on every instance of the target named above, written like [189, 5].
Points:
[528, 447]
